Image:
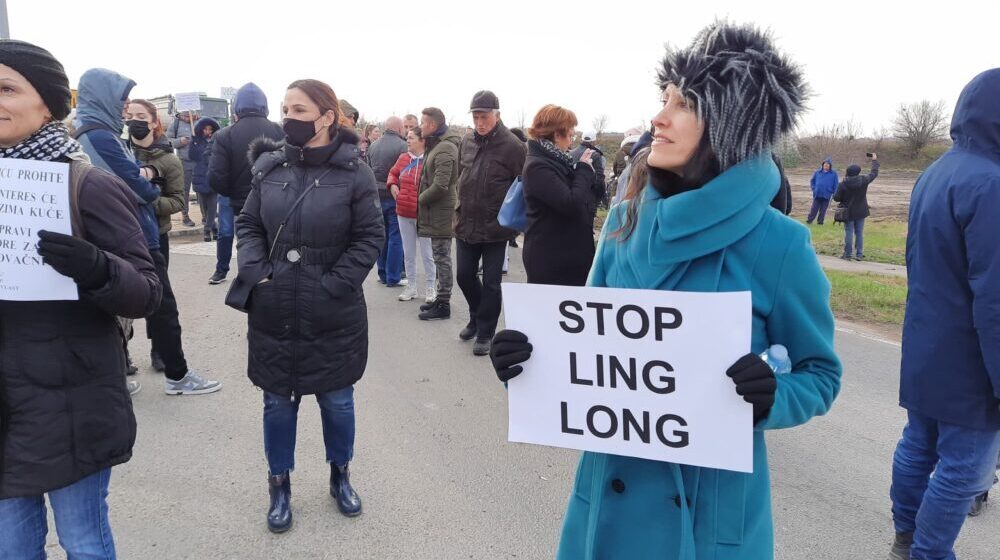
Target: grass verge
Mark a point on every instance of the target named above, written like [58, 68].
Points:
[885, 241]
[867, 298]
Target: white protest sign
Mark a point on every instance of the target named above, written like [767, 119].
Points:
[187, 102]
[639, 373]
[34, 195]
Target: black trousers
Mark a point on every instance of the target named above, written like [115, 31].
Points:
[164, 325]
[484, 297]
[165, 251]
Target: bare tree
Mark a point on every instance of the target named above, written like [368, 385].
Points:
[600, 123]
[919, 124]
[880, 135]
[520, 119]
[852, 130]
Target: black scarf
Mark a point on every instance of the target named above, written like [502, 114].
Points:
[49, 143]
[553, 152]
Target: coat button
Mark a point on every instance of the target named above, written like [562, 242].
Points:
[677, 500]
[617, 485]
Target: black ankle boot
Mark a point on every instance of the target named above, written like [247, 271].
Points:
[347, 499]
[279, 515]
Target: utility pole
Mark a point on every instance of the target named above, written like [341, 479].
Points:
[4, 24]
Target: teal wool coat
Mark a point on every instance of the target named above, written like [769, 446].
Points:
[723, 237]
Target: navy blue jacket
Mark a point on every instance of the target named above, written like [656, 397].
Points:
[951, 334]
[100, 102]
[199, 152]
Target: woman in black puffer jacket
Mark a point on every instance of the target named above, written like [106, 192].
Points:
[309, 233]
[65, 413]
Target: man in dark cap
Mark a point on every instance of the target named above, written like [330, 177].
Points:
[491, 158]
[229, 167]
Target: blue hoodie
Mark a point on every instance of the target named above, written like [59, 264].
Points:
[100, 102]
[250, 99]
[951, 333]
[824, 183]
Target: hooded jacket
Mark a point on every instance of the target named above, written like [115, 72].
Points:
[824, 183]
[65, 411]
[490, 164]
[722, 237]
[852, 193]
[99, 123]
[199, 152]
[438, 182]
[308, 323]
[170, 179]
[951, 332]
[228, 165]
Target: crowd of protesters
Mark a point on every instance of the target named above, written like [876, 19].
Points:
[315, 204]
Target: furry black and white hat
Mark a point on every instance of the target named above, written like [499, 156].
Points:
[747, 93]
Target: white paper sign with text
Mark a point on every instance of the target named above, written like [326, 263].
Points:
[34, 195]
[187, 102]
[639, 373]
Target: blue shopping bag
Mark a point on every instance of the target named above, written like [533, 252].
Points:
[514, 211]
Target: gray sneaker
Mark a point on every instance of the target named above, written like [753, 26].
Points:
[133, 387]
[901, 547]
[191, 384]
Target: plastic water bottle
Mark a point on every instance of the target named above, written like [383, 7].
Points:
[777, 357]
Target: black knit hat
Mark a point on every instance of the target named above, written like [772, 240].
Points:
[747, 93]
[42, 70]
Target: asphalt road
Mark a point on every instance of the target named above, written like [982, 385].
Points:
[437, 478]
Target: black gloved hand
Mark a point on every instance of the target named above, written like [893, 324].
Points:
[755, 382]
[77, 258]
[510, 348]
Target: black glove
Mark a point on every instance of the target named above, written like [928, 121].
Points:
[510, 348]
[755, 382]
[77, 258]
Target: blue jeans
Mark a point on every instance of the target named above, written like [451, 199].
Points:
[81, 514]
[390, 260]
[227, 230]
[336, 410]
[854, 231]
[933, 509]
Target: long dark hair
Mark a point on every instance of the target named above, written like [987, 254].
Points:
[700, 169]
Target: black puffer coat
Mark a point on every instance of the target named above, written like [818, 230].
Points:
[65, 411]
[852, 193]
[309, 323]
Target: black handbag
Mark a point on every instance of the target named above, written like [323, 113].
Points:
[840, 215]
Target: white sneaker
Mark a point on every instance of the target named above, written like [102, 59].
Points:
[191, 384]
[431, 295]
[133, 387]
[404, 282]
[408, 294]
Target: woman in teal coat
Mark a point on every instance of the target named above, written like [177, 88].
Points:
[704, 224]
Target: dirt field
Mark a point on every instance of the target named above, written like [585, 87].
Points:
[889, 195]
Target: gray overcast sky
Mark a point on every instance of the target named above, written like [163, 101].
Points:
[861, 58]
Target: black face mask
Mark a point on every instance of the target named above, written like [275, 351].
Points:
[299, 133]
[138, 129]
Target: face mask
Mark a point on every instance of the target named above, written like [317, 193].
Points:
[299, 133]
[138, 129]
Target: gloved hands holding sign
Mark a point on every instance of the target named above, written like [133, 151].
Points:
[754, 379]
[77, 258]
[755, 382]
[510, 349]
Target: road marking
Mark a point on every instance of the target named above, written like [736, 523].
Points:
[868, 336]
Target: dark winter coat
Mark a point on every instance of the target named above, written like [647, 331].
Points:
[951, 333]
[406, 174]
[438, 181]
[65, 411]
[228, 165]
[782, 202]
[199, 152]
[561, 201]
[382, 155]
[490, 164]
[170, 179]
[853, 192]
[308, 320]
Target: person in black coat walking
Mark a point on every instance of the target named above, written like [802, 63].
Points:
[562, 198]
[852, 194]
[229, 168]
[65, 413]
[310, 231]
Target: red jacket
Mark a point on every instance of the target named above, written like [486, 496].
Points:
[407, 178]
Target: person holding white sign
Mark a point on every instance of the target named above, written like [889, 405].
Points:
[65, 413]
[704, 224]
